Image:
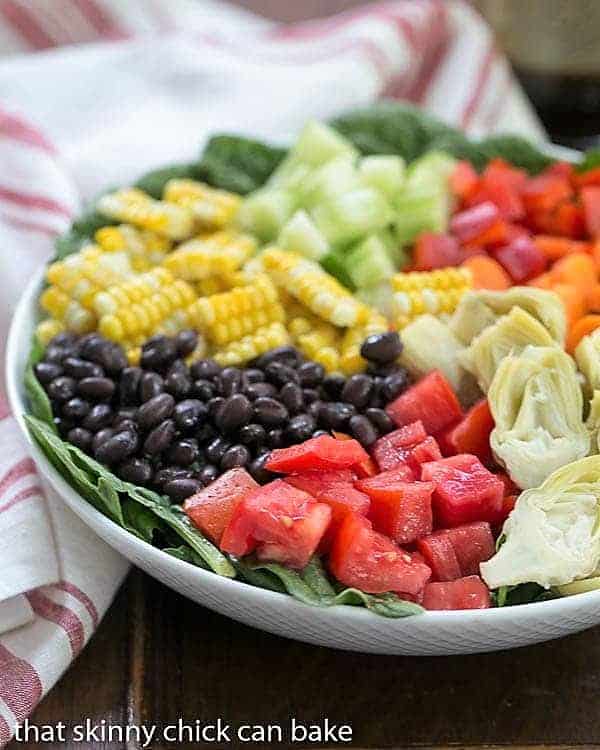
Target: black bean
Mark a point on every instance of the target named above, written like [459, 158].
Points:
[96, 389]
[234, 413]
[382, 347]
[45, 372]
[178, 366]
[383, 370]
[156, 410]
[55, 354]
[216, 449]
[237, 455]
[380, 420]
[208, 474]
[80, 438]
[99, 416]
[180, 489]
[299, 428]
[252, 434]
[116, 448]
[257, 469]
[186, 342]
[114, 360]
[269, 412]
[230, 381]
[105, 353]
[335, 415]
[280, 374]
[125, 414]
[62, 388]
[64, 339]
[275, 438]
[205, 369]
[178, 384]
[151, 384]
[252, 375]
[362, 429]
[202, 389]
[288, 355]
[214, 406]
[357, 390]
[183, 452]
[89, 344]
[332, 386]
[81, 368]
[292, 398]
[160, 438]
[314, 409]
[76, 408]
[169, 473]
[311, 374]
[205, 433]
[310, 395]
[158, 353]
[64, 425]
[258, 390]
[189, 414]
[394, 384]
[101, 437]
[136, 470]
[129, 384]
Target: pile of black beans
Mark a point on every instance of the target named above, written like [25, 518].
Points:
[175, 428]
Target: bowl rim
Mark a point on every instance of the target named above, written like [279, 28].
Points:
[25, 312]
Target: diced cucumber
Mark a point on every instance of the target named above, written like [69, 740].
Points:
[352, 215]
[379, 296]
[337, 176]
[421, 212]
[384, 173]
[430, 172]
[396, 252]
[335, 263]
[300, 235]
[264, 213]
[369, 263]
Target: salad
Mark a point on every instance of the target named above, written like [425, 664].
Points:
[364, 370]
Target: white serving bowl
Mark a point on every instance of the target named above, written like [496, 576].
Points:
[342, 627]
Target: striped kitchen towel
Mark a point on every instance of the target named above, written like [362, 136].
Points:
[114, 89]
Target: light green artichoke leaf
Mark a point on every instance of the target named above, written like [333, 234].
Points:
[471, 317]
[587, 356]
[510, 334]
[537, 405]
[593, 422]
[552, 537]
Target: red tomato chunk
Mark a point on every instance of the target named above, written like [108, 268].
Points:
[211, 508]
[473, 222]
[321, 453]
[404, 450]
[278, 522]
[521, 259]
[464, 490]
[402, 511]
[473, 544]
[471, 434]
[464, 593]
[367, 560]
[435, 251]
[314, 482]
[431, 400]
[438, 552]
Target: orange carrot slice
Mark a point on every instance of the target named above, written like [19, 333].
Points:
[583, 327]
[487, 273]
[555, 247]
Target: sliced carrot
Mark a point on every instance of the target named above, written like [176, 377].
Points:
[593, 299]
[595, 252]
[557, 247]
[583, 327]
[487, 273]
[543, 281]
[573, 302]
[579, 270]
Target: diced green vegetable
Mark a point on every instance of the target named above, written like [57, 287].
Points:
[336, 264]
[384, 173]
[350, 216]
[265, 212]
[337, 176]
[416, 213]
[369, 263]
[300, 235]
[380, 296]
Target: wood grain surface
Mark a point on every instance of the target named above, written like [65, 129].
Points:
[157, 657]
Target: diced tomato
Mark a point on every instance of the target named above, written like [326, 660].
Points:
[394, 448]
[590, 199]
[493, 236]
[464, 180]
[402, 511]
[423, 453]
[472, 222]
[502, 185]
[210, 509]
[399, 474]
[315, 481]
[562, 169]
[439, 554]
[589, 177]
[464, 490]
[545, 192]
[473, 544]
[510, 488]
[508, 505]
[363, 558]
[324, 452]
[565, 220]
[471, 434]
[279, 522]
[435, 251]
[522, 259]
[464, 593]
[431, 401]
[364, 468]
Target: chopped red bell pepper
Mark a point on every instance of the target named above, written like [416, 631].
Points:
[566, 220]
[439, 554]
[431, 401]
[401, 510]
[435, 251]
[464, 180]
[367, 560]
[210, 509]
[464, 593]
[590, 199]
[464, 490]
[364, 468]
[324, 452]
[471, 434]
[502, 184]
[563, 169]
[542, 194]
[522, 259]
[473, 222]
[279, 522]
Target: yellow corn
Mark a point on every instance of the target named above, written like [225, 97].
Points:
[134, 354]
[219, 253]
[253, 345]
[145, 248]
[434, 292]
[135, 207]
[350, 359]
[220, 282]
[229, 316]
[212, 209]
[69, 312]
[47, 330]
[314, 287]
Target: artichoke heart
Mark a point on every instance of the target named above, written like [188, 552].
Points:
[552, 537]
[510, 334]
[593, 422]
[587, 356]
[537, 405]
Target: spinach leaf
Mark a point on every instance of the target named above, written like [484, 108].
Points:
[524, 593]
[238, 164]
[386, 605]
[39, 402]
[187, 555]
[140, 520]
[591, 160]
[293, 583]
[517, 150]
[154, 182]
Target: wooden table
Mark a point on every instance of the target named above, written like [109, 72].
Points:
[157, 657]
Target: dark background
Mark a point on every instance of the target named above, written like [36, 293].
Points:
[157, 657]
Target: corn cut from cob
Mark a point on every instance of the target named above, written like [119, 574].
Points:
[253, 345]
[219, 253]
[144, 248]
[435, 292]
[212, 208]
[133, 206]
